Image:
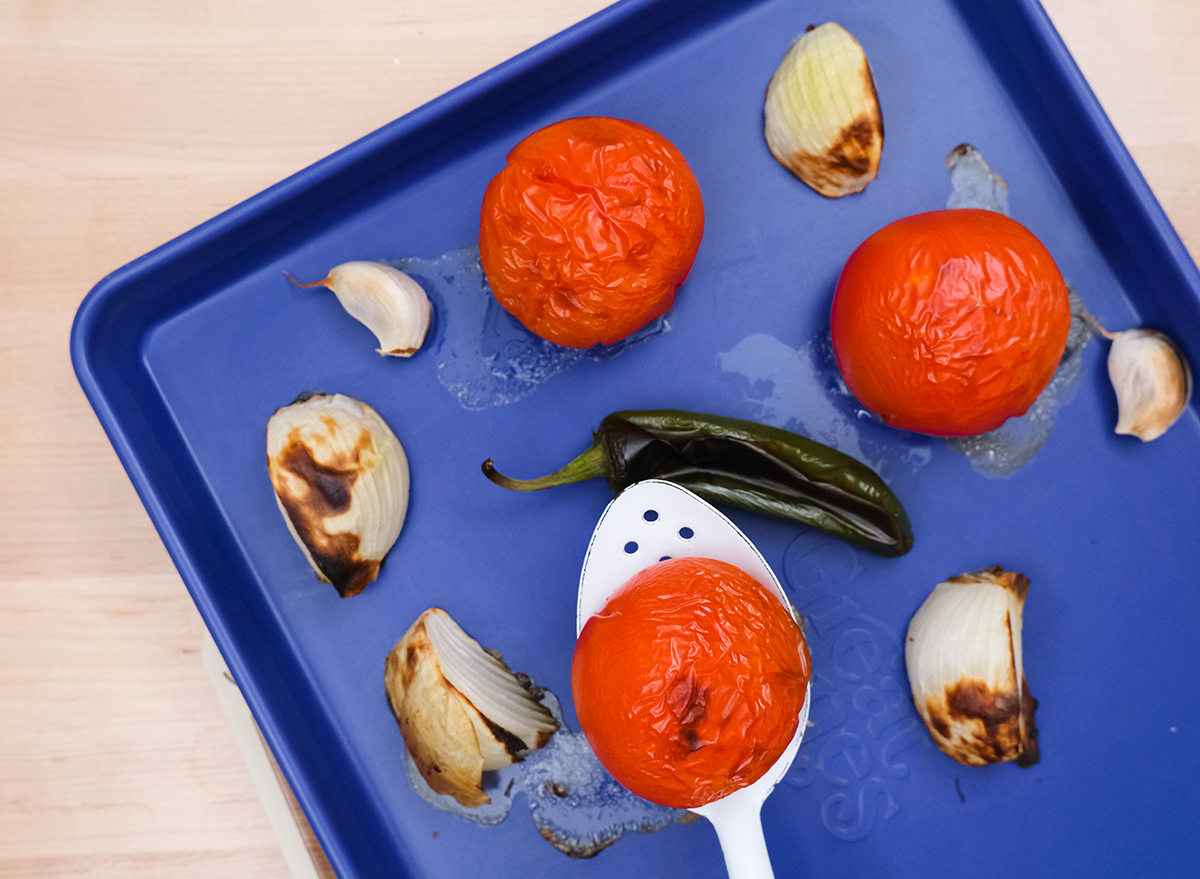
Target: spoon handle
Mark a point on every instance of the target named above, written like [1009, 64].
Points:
[741, 835]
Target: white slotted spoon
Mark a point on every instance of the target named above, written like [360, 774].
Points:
[653, 520]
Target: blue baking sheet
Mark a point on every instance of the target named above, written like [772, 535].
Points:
[186, 353]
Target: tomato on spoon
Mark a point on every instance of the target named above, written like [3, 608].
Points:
[689, 683]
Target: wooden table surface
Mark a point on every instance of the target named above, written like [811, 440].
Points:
[124, 123]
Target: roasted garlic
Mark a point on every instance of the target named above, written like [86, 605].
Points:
[1151, 378]
[963, 654]
[341, 482]
[461, 710]
[823, 120]
[388, 302]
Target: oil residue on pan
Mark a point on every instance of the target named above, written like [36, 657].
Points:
[485, 357]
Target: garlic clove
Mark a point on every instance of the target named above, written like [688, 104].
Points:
[1152, 380]
[964, 660]
[823, 120]
[461, 710]
[341, 481]
[384, 299]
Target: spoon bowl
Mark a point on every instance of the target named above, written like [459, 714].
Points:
[655, 520]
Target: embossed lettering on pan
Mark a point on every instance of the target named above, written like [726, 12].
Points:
[856, 758]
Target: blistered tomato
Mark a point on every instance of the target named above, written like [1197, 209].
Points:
[950, 322]
[688, 685]
[590, 229]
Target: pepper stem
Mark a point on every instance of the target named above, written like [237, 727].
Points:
[592, 463]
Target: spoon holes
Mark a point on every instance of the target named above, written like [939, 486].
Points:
[631, 547]
[650, 515]
[686, 533]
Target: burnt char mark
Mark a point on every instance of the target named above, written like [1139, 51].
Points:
[348, 574]
[402, 663]
[513, 746]
[975, 700]
[543, 736]
[412, 658]
[851, 152]
[690, 739]
[577, 849]
[328, 493]
[1030, 752]
[334, 481]
[869, 85]
[1001, 720]
[963, 149]
[850, 163]
[1017, 584]
[688, 702]
[329, 490]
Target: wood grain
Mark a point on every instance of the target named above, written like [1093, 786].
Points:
[124, 123]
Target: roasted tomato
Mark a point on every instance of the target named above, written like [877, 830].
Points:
[590, 229]
[688, 685]
[950, 322]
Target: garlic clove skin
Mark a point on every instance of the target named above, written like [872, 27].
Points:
[384, 299]
[461, 710]
[1152, 381]
[964, 660]
[341, 482]
[823, 120]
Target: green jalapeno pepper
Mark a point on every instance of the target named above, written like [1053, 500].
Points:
[743, 463]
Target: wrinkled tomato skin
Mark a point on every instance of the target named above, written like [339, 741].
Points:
[688, 685]
[950, 322]
[590, 229]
